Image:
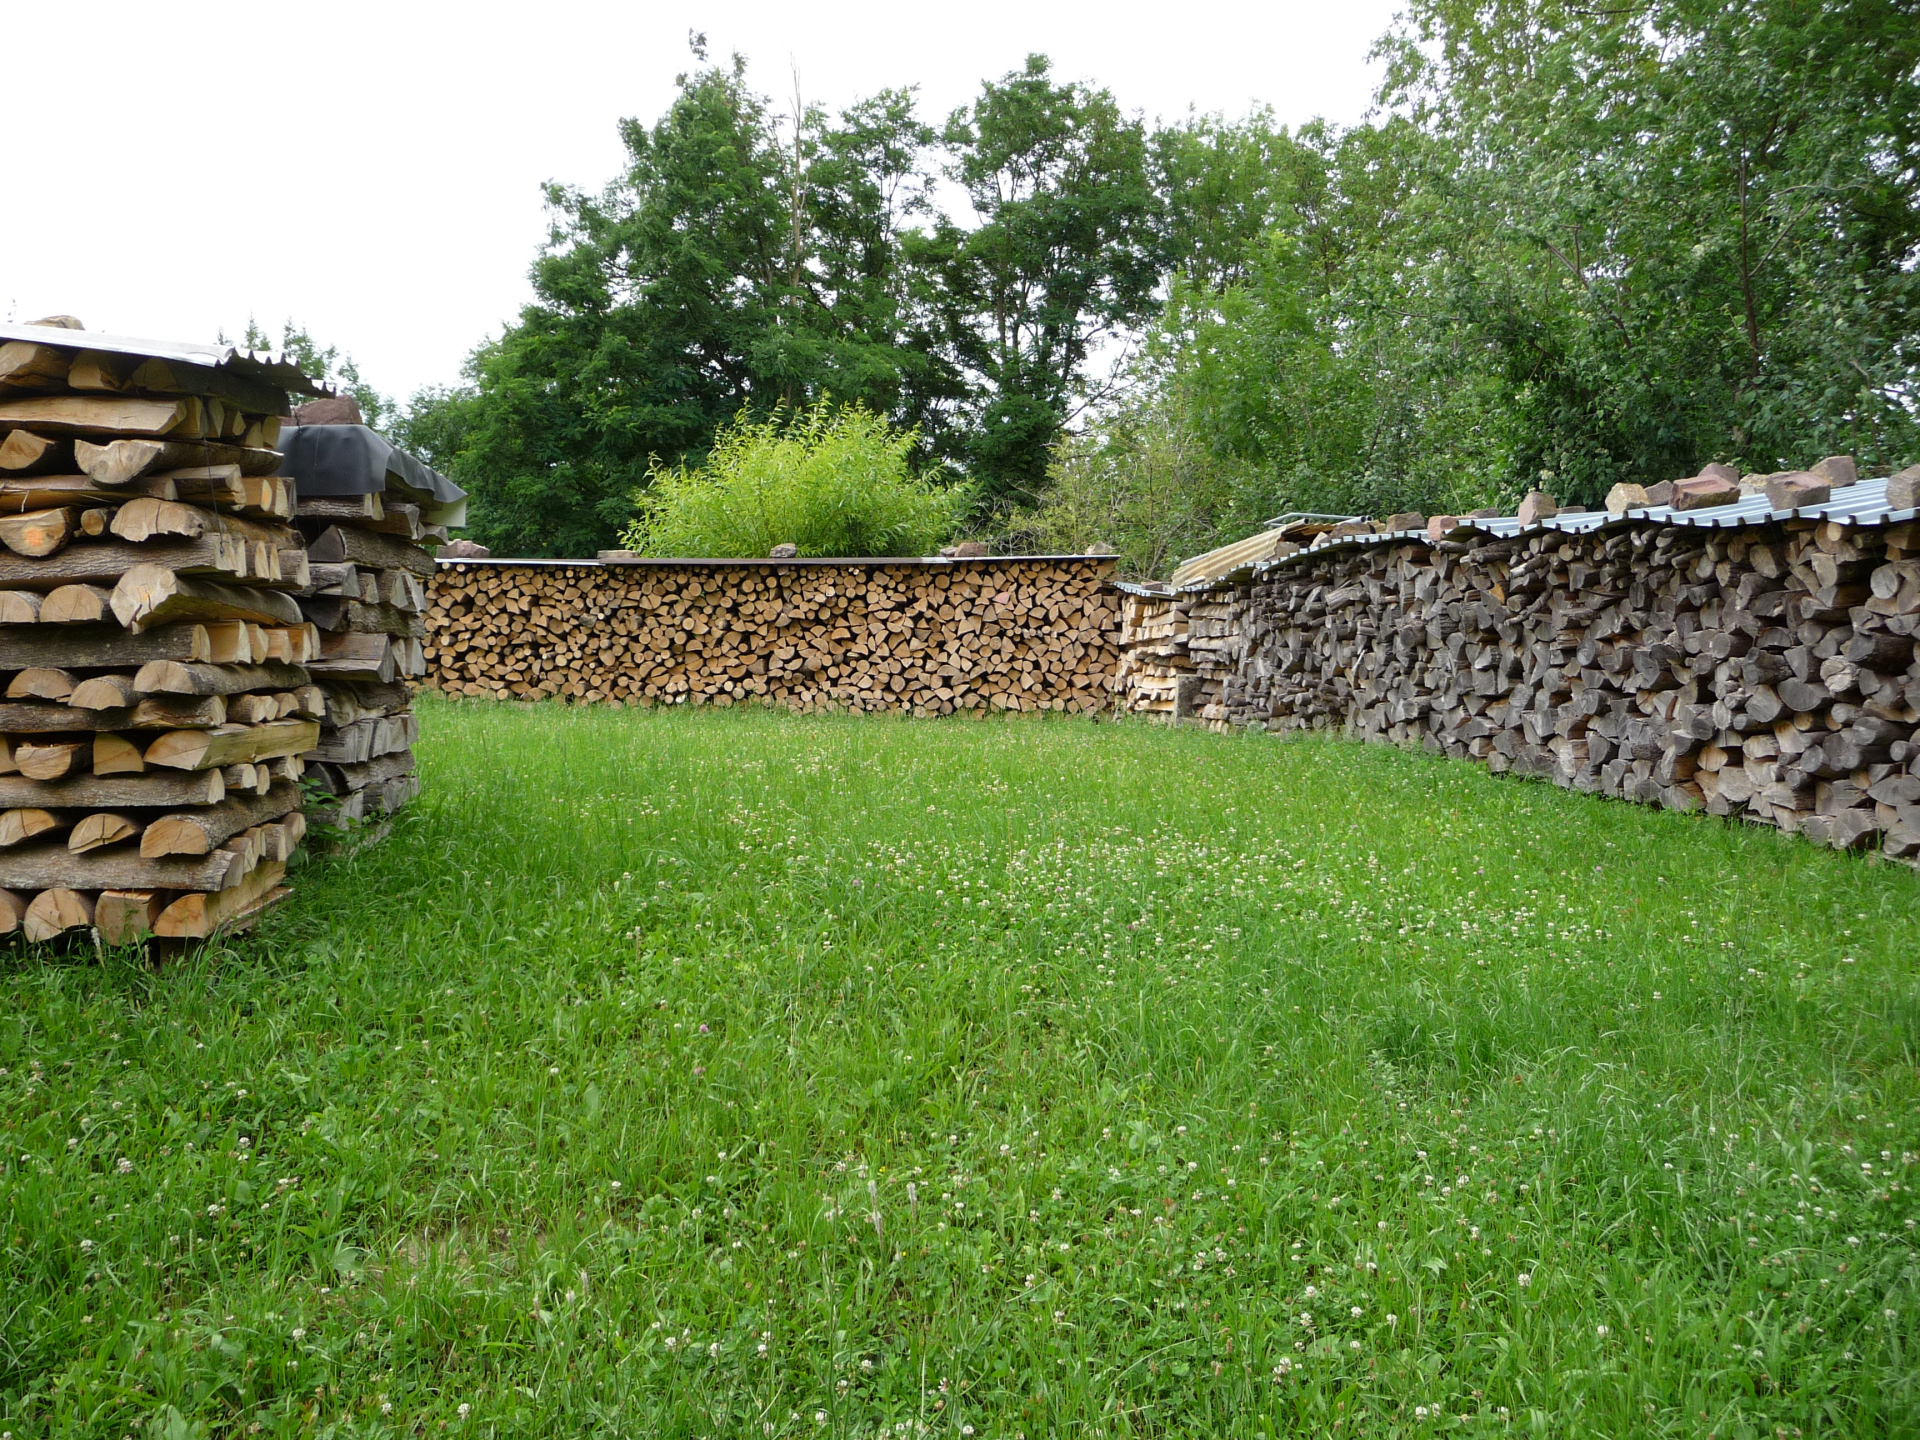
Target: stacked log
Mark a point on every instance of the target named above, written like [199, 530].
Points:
[1766, 670]
[1155, 676]
[367, 598]
[926, 636]
[156, 703]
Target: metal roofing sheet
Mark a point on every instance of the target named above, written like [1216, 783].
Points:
[276, 367]
[1864, 503]
[1226, 559]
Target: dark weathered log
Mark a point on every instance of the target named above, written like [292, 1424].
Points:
[379, 552]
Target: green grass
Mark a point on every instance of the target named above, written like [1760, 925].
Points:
[723, 1074]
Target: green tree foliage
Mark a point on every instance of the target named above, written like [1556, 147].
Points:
[754, 256]
[1061, 257]
[1575, 245]
[1142, 483]
[832, 480]
[742, 261]
[1679, 231]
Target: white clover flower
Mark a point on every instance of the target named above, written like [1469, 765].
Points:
[1600, 1330]
[1525, 1279]
[123, 1165]
[465, 1410]
[299, 1334]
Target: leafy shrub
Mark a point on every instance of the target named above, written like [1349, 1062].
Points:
[833, 480]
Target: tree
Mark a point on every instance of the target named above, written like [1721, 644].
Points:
[1708, 220]
[744, 260]
[1061, 258]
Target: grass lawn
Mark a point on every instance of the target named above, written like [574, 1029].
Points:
[724, 1074]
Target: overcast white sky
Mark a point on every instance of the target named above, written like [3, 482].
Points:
[374, 170]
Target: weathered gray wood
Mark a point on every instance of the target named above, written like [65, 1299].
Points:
[362, 547]
[39, 867]
[166, 789]
[99, 647]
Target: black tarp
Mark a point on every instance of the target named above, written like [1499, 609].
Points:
[353, 460]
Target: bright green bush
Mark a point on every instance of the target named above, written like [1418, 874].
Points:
[832, 480]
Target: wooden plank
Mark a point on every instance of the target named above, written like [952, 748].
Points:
[345, 779]
[37, 867]
[115, 462]
[43, 492]
[101, 647]
[201, 831]
[199, 916]
[149, 595]
[108, 560]
[349, 654]
[175, 677]
[350, 508]
[229, 745]
[107, 415]
[158, 790]
[156, 712]
[362, 547]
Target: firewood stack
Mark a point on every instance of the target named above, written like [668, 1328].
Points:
[1155, 676]
[157, 703]
[370, 575]
[930, 637]
[1756, 660]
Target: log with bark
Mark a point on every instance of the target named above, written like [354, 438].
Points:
[1767, 671]
[152, 662]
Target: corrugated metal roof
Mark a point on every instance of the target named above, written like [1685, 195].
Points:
[275, 367]
[1297, 526]
[1226, 559]
[1862, 504]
